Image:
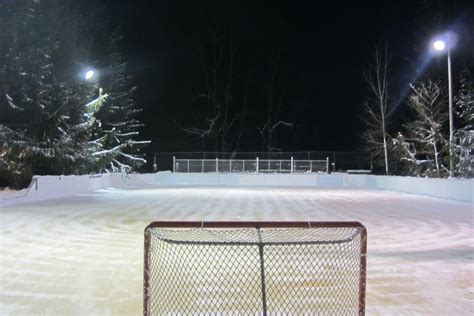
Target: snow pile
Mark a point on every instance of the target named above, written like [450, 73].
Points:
[8, 193]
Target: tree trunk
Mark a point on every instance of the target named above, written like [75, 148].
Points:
[435, 153]
[385, 151]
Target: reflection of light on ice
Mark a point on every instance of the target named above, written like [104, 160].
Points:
[84, 254]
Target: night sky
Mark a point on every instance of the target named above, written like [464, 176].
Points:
[323, 50]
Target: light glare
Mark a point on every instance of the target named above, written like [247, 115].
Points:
[439, 45]
[89, 74]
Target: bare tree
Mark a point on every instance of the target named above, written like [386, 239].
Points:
[375, 110]
[242, 117]
[274, 102]
[217, 62]
[429, 105]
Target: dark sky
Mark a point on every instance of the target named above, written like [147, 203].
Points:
[323, 47]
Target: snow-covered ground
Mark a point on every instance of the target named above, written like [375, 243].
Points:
[7, 193]
[83, 255]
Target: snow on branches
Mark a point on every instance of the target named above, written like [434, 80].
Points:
[51, 123]
[464, 135]
[428, 103]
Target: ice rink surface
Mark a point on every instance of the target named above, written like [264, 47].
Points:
[84, 255]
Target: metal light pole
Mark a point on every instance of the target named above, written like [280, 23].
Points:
[441, 45]
[450, 93]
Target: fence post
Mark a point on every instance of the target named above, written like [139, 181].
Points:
[262, 272]
[291, 164]
[188, 165]
[279, 170]
[230, 165]
[202, 166]
[310, 166]
[257, 164]
[217, 164]
[243, 166]
[327, 164]
[174, 164]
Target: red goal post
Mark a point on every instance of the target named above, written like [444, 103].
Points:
[254, 267]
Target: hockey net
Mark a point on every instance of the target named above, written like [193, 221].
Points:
[255, 268]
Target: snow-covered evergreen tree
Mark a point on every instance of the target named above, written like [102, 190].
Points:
[464, 134]
[115, 144]
[51, 121]
[429, 105]
[13, 154]
[406, 158]
[37, 101]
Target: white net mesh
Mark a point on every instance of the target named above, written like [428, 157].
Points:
[255, 270]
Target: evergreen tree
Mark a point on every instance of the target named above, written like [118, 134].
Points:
[406, 159]
[48, 123]
[38, 104]
[115, 144]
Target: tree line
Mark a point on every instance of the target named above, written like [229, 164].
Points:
[224, 118]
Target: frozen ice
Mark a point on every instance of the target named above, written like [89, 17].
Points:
[84, 254]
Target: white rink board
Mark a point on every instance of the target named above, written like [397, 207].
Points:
[83, 255]
[50, 187]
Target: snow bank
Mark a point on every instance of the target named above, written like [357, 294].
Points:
[9, 193]
[48, 187]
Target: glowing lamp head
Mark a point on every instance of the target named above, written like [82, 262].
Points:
[439, 45]
[89, 74]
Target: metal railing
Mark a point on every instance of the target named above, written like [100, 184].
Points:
[338, 161]
[250, 165]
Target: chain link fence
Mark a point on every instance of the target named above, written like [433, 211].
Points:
[254, 268]
[250, 166]
[338, 161]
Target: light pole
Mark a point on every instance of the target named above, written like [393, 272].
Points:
[440, 46]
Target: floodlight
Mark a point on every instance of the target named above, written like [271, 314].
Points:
[439, 45]
[89, 74]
